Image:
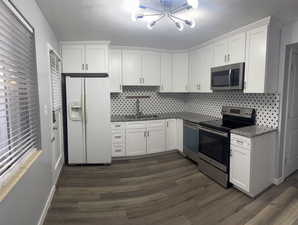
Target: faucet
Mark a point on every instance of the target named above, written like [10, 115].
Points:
[138, 113]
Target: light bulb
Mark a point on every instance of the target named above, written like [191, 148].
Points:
[179, 26]
[151, 24]
[191, 23]
[131, 5]
[193, 3]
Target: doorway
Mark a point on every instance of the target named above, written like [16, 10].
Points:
[290, 140]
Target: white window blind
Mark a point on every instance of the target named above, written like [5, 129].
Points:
[19, 105]
[55, 64]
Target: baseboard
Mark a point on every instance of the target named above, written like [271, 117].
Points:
[278, 181]
[47, 206]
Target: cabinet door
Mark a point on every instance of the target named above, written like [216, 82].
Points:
[166, 73]
[220, 50]
[240, 168]
[96, 58]
[156, 137]
[171, 134]
[132, 67]
[180, 72]
[180, 134]
[205, 64]
[151, 69]
[194, 71]
[256, 54]
[73, 58]
[237, 49]
[115, 73]
[135, 141]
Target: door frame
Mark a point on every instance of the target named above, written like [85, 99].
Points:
[56, 166]
[285, 106]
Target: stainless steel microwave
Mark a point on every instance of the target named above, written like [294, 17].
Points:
[230, 77]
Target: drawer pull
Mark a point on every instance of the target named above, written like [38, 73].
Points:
[117, 125]
[118, 137]
[118, 150]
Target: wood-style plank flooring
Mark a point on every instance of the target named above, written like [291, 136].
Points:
[163, 190]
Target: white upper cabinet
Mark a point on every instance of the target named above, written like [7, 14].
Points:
[151, 68]
[220, 53]
[115, 70]
[236, 52]
[81, 57]
[166, 73]
[206, 57]
[194, 71]
[73, 58]
[230, 50]
[180, 72]
[96, 57]
[200, 70]
[141, 68]
[256, 60]
[132, 67]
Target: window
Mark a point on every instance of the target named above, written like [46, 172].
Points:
[55, 65]
[19, 105]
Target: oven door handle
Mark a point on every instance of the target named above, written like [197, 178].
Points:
[223, 134]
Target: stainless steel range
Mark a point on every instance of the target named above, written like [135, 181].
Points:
[214, 142]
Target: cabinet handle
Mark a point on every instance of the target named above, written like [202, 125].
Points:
[225, 58]
[145, 133]
[83, 66]
[143, 80]
[140, 79]
[167, 123]
[229, 57]
[86, 66]
[148, 134]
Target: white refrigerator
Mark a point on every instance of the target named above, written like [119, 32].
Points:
[88, 120]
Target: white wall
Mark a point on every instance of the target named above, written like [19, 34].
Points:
[24, 204]
[289, 37]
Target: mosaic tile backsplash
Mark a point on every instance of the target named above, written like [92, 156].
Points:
[156, 103]
[266, 105]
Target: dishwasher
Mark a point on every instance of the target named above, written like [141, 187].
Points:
[191, 140]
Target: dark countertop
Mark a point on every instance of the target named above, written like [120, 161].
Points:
[253, 131]
[193, 117]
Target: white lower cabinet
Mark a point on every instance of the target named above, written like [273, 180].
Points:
[251, 162]
[156, 136]
[118, 140]
[145, 137]
[180, 134]
[171, 134]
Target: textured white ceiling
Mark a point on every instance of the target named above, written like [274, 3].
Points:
[82, 20]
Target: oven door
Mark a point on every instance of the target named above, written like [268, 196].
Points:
[214, 147]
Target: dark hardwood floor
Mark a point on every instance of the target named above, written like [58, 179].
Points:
[163, 190]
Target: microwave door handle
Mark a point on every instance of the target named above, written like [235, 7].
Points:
[230, 73]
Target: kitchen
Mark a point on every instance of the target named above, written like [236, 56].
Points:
[140, 129]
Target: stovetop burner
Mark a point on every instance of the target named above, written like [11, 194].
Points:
[233, 118]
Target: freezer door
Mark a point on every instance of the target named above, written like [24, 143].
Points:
[75, 120]
[97, 119]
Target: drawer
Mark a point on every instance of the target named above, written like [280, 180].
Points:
[155, 123]
[136, 125]
[117, 126]
[240, 141]
[118, 151]
[117, 137]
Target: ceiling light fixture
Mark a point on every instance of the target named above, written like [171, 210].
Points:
[167, 9]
